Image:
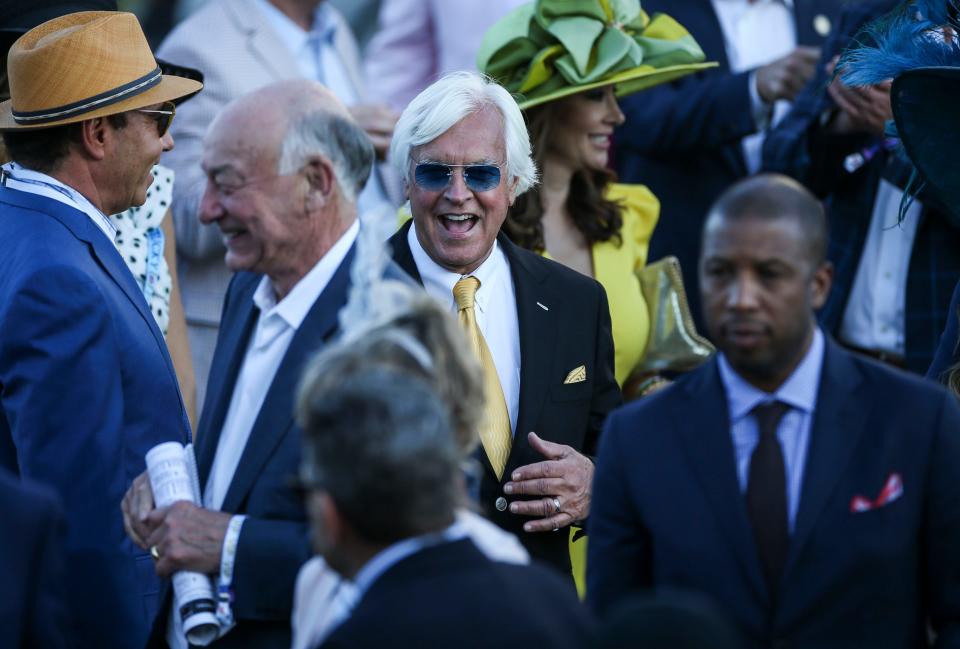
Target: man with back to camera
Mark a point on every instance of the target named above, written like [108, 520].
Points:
[86, 384]
[420, 581]
[811, 492]
[540, 330]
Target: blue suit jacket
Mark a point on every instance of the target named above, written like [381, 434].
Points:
[274, 541]
[668, 511]
[800, 147]
[682, 139]
[33, 610]
[86, 389]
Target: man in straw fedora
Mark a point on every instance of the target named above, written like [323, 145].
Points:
[86, 384]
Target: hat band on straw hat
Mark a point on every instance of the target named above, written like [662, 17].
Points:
[113, 96]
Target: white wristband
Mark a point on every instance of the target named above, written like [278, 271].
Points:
[227, 558]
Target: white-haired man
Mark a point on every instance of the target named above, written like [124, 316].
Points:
[284, 165]
[541, 331]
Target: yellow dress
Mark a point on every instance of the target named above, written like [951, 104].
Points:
[615, 268]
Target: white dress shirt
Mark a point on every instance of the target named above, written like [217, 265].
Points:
[874, 316]
[275, 328]
[18, 177]
[495, 307]
[318, 59]
[755, 34]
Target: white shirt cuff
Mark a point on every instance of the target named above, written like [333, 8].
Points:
[228, 556]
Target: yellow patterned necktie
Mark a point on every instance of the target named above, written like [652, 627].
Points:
[495, 432]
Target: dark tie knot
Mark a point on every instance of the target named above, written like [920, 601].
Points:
[464, 292]
[768, 416]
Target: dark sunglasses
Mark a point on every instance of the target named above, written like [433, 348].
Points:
[163, 118]
[434, 176]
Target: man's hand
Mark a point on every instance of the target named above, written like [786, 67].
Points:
[564, 480]
[136, 505]
[378, 121]
[863, 109]
[187, 537]
[786, 77]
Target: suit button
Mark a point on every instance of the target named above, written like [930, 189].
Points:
[501, 504]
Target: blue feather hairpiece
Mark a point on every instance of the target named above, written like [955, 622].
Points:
[918, 34]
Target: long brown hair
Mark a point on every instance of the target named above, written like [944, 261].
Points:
[597, 218]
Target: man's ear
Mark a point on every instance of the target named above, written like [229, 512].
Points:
[319, 173]
[330, 515]
[96, 136]
[820, 284]
[513, 189]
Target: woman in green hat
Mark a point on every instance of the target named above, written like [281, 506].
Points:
[567, 61]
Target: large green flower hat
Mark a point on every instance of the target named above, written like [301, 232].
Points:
[547, 49]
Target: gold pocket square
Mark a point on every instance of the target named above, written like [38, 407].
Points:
[576, 375]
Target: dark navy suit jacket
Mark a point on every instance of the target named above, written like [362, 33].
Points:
[33, 611]
[86, 389]
[800, 147]
[682, 139]
[668, 511]
[564, 322]
[450, 595]
[274, 540]
[948, 350]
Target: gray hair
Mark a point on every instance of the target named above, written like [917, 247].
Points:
[338, 138]
[422, 340]
[447, 101]
[379, 443]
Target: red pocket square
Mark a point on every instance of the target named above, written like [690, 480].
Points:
[892, 489]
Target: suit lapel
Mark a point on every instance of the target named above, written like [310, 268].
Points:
[276, 415]
[235, 330]
[262, 41]
[538, 336]
[401, 252]
[704, 429]
[836, 430]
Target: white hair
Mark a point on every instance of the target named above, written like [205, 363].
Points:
[444, 103]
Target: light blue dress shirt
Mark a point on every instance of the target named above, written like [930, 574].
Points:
[799, 392]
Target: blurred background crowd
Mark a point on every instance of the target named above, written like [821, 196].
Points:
[571, 323]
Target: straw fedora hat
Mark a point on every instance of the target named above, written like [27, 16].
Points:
[84, 65]
[548, 49]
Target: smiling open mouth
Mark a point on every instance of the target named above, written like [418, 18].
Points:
[457, 223]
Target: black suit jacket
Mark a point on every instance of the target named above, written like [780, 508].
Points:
[33, 607]
[668, 511]
[450, 595]
[274, 541]
[571, 328]
[682, 139]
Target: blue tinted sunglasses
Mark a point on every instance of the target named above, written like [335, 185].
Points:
[436, 176]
